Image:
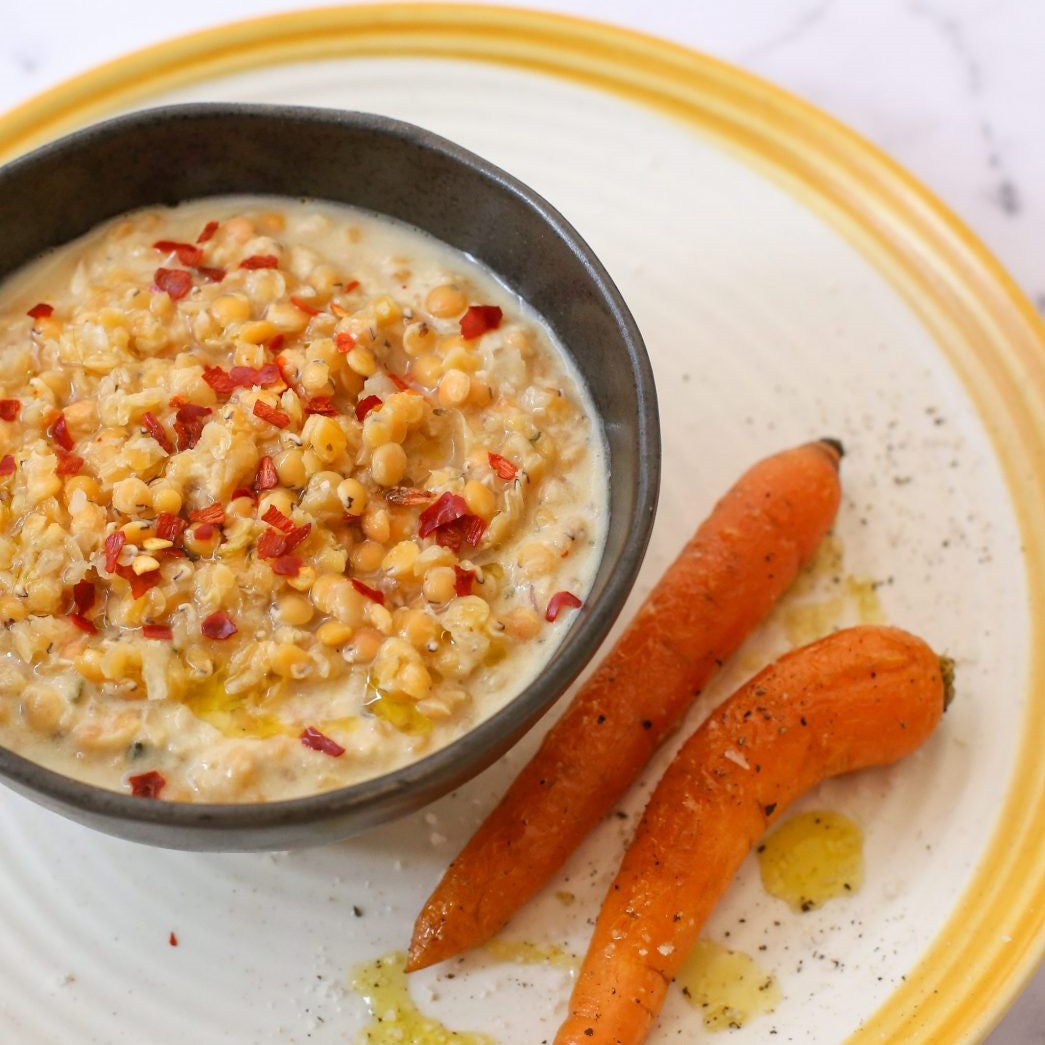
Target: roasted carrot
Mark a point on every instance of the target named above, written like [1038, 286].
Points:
[725, 580]
[862, 697]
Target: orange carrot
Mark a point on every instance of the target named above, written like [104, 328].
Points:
[862, 697]
[723, 583]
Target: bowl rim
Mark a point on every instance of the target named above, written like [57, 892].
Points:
[504, 727]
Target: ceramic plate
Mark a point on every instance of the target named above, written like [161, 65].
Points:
[790, 283]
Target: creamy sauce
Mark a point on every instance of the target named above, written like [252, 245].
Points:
[812, 858]
[379, 468]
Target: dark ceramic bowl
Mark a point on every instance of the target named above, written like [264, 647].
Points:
[164, 156]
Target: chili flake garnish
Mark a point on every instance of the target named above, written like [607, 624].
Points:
[152, 425]
[399, 382]
[203, 532]
[260, 261]
[173, 939]
[463, 580]
[274, 545]
[560, 601]
[271, 414]
[113, 546]
[59, 432]
[502, 466]
[305, 306]
[188, 254]
[321, 405]
[157, 631]
[68, 464]
[211, 274]
[208, 231]
[10, 409]
[175, 282]
[188, 423]
[243, 491]
[345, 342]
[147, 785]
[83, 623]
[478, 319]
[170, 527]
[451, 522]
[41, 310]
[371, 593]
[7, 465]
[287, 565]
[266, 477]
[140, 582]
[226, 382]
[274, 517]
[213, 514]
[275, 343]
[83, 596]
[312, 738]
[351, 285]
[218, 625]
[364, 406]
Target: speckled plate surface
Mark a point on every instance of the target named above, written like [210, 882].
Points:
[790, 282]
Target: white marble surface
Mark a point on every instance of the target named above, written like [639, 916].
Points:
[953, 89]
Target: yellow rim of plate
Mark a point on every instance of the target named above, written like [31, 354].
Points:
[991, 943]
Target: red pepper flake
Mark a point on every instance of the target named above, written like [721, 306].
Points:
[211, 274]
[345, 342]
[41, 310]
[260, 261]
[173, 939]
[188, 423]
[274, 517]
[478, 319]
[463, 580]
[271, 414]
[560, 601]
[113, 546]
[152, 425]
[83, 596]
[274, 344]
[321, 405]
[448, 509]
[370, 593]
[83, 623]
[249, 377]
[350, 286]
[399, 383]
[273, 545]
[218, 625]
[157, 631]
[188, 254]
[147, 785]
[364, 406]
[68, 464]
[502, 466]
[305, 306]
[170, 527]
[7, 465]
[59, 432]
[140, 583]
[312, 738]
[287, 565]
[213, 514]
[175, 282]
[208, 231]
[267, 476]
[10, 409]
[203, 532]
[243, 491]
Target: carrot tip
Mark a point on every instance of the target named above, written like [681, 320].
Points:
[835, 444]
[947, 675]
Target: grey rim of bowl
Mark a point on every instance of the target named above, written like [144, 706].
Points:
[437, 773]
